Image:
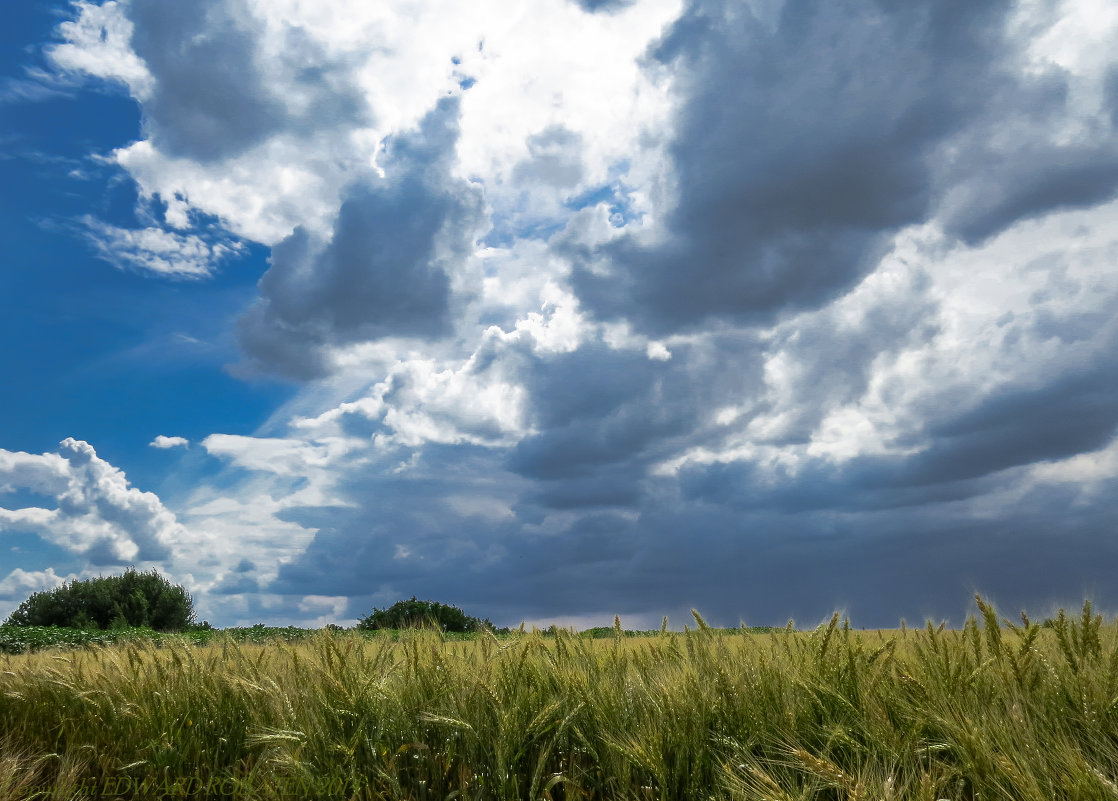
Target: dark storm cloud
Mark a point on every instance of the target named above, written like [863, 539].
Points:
[604, 486]
[354, 549]
[879, 566]
[480, 562]
[592, 532]
[210, 99]
[997, 179]
[1033, 184]
[1074, 414]
[603, 417]
[384, 271]
[581, 427]
[802, 146]
[761, 566]
[863, 484]
[964, 454]
[797, 152]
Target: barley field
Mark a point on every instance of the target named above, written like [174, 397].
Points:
[997, 710]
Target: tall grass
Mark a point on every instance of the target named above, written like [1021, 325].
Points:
[995, 711]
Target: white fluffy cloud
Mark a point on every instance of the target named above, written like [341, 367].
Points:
[96, 514]
[164, 442]
[218, 543]
[394, 59]
[45, 474]
[96, 43]
[20, 583]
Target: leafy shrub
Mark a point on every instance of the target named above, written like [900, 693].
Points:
[414, 613]
[110, 602]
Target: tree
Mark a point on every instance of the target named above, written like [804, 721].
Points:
[134, 599]
[416, 614]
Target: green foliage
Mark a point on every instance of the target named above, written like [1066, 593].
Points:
[413, 614]
[26, 639]
[110, 602]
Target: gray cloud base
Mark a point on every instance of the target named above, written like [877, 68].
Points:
[210, 100]
[759, 565]
[384, 271]
[802, 145]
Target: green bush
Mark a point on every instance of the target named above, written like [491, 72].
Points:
[110, 602]
[414, 613]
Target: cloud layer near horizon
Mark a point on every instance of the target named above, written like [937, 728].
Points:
[764, 308]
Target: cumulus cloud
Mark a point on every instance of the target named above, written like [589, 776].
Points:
[97, 515]
[261, 117]
[478, 402]
[992, 378]
[210, 97]
[890, 311]
[44, 475]
[806, 140]
[164, 442]
[19, 584]
[384, 272]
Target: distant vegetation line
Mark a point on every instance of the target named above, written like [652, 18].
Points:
[113, 609]
[29, 639]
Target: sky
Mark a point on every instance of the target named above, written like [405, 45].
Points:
[564, 309]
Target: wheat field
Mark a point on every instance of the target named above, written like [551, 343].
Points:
[996, 710]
